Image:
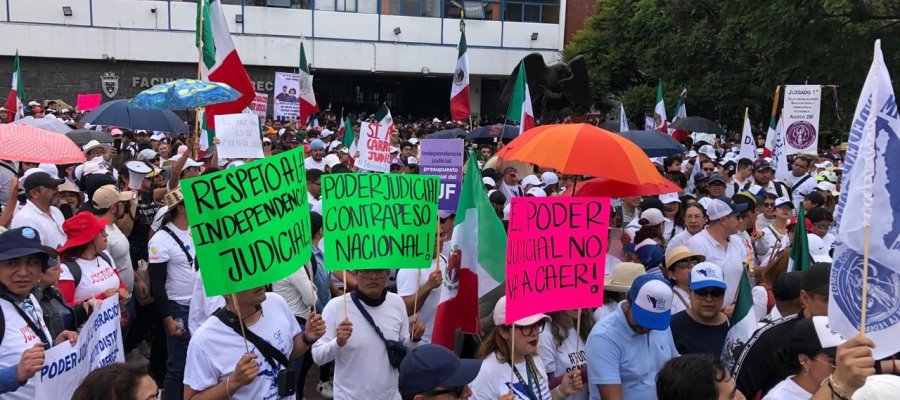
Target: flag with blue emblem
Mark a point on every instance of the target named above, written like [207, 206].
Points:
[871, 183]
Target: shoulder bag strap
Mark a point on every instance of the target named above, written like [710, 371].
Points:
[800, 182]
[31, 324]
[180, 244]
[366, 315]
[268, 351]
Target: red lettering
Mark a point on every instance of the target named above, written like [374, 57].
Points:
[373, 131]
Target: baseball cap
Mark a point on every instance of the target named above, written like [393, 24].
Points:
[412, 161]
[691, 154]
[500, 315]
[787, 286]
[760, 165]
[651, 301]
[115, 132]
[721, 208]
[146, 155]
[816, 279]
[444, 214]
[669, 198]
[675, 254]
[652, 217]
[317, 144]
[708, 151]
[331, 160]
[532, 180]
[700, 176]
[25, 241]
[429, 366]
[326, 132]
[716, 177]
[818, 250]
[395, 150]
[649, 253]
[158, 136]
[783, 201]
[814, 334]
[622, 276]
[107, 196]
[549, 178]
[489, 181]
[41, 178]
[536, 192]
[707, 274]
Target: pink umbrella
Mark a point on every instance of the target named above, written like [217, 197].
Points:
[30, 144]
[602, 187]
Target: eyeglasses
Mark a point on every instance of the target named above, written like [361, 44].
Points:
[529, 330]
[708, 169]
[373, 273]
[712, 293]
[683, 264]
[458, 392]
[768, 204]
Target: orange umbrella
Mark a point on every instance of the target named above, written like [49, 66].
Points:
[582, 149]
[602, 187]
[26, 143]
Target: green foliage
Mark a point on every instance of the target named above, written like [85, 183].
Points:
[731, 54]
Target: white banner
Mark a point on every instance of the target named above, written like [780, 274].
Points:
[99, 344]
[802, 104]
[239, 136]
[374, 147]
[287, 97]
[260, 105]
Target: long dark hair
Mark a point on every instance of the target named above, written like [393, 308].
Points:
[112, 382]
[560, 323]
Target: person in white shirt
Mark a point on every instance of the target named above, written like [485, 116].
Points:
[800, 181]
[314, 189]
[218, 364]
[719, 243]
[694, 222]
[316, 155]
[426, 283]
[679, 262]
[561, 347]
[300, 294]
[775, 237]
[742, 179]
[509, 184]
[362, 368]
[811, 357]
[38, 213]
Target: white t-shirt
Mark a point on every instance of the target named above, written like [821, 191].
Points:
[493, 380]
[202, 307]
[361, 367]
[560, 360]
[215, 350]
[298, 291]
[120, 250]
[771, 243]
[407, 286]
[17, 338]
[310, 163]
[97, 276]
[180, 275]
[788, 390]
[677, 305]
[680, 239]
[49, 224]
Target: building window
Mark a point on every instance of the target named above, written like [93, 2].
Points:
[541, 11]
[413, 8]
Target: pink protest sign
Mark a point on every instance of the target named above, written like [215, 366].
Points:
[88, 102]
[555, 254]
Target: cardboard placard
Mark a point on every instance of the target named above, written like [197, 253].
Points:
[239, 136]
[260, 105]
[287, 100]
[374, 147]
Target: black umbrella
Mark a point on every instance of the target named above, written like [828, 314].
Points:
[455, 133]
[82, 136]
[613, 126]
[117, 113]
[697, 124]
[654, 143]
[492, 133]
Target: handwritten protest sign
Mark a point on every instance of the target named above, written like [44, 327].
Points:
[239, 136]
[99, 344]
[259, 105]
[287, 102]
[374, 221]
[374, 147]
[802, 106]
[88, 102]
[555, 254]
[251, 223]
[444, 158]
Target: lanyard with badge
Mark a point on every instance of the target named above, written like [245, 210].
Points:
[528, 386]
[29, 316]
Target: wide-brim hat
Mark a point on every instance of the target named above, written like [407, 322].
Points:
[677, 253]
[622, 276]
[81, 229]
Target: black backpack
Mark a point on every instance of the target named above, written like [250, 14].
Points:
[75, 269]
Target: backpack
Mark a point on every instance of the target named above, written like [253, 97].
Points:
[75, 269]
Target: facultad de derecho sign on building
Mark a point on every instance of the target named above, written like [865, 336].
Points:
[146, 82]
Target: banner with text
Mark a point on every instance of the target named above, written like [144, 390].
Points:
[99, 344]
[555, 254]
[375, 147]
[802, 104]
[287, 101]
[251, 223]
[444, 158]
[260, 105]
[375, 221]
[239, 136]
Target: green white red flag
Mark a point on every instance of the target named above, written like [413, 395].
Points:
[308, 105]
[661, 122]
[15, 102]
[520, 102]
[460, 104]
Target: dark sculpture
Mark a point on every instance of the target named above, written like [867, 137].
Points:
[555, 89]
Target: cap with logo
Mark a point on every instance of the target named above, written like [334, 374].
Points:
[762, 165]
[783, 202]
[429, 366]
[25, 241]
[412, 161]
[706, 275]
[818, 249]
[651, 301]
[720, 208]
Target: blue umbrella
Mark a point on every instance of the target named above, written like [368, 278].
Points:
[184, 94]
[654, 143]
[455, 133]
[117, 113]
[493, 133]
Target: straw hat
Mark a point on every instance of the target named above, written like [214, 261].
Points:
[678, 253]
[623, 274]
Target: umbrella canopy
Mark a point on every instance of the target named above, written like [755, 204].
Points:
[654, 143]
[455, 133]
[613, 126]
[602, 187]
[27, 143]
[492, 133]
[583, 149]
[82, 136]
[48, 124]
[697, 124]
[117, 113]
[183, 94]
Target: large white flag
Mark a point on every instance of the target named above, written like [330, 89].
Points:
[623, 119]
[748, 143]
[871, 182]
[779, 153]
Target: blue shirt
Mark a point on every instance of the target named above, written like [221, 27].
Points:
[322, 280]
[617, 355]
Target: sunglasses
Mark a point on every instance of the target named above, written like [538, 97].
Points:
[458, 392]
[768, 204]
[712, 293]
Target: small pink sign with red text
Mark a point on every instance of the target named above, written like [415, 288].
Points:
[555, 254]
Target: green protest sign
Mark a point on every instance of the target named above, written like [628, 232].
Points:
[374, 221]
[251, 223]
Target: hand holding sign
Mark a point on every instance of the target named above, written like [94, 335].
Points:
[344, 330]
[31, 362]
[315, 328]
[246, 370]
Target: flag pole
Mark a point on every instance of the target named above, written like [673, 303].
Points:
[345, 293]
[198, 112]
[237, 308]
[578, 318]
[775, 102]
[865, 281]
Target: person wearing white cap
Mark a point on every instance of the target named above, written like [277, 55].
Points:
[719, 243]
[702, 328]
[819, 251]
[185, 167]
[531, 181]
[521, 373]
[535, 192]
[148, 155]
[627, 349]
[489, 183]
[674, 216]
[551, 182]
[38, 211]
[774, 237]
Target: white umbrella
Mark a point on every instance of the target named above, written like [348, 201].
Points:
[48, 124]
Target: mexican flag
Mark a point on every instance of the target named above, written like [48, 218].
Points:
[771, 135]
[520, 102]
[220, 63]
[680, 107]
[15, 102]
[744, 324]
[347, 134]
[659, 112]
[800, 258]
[383, 116]
[308, 105]
[477, 261]
[460, 107]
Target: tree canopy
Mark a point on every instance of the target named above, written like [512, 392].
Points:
[732, 54]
